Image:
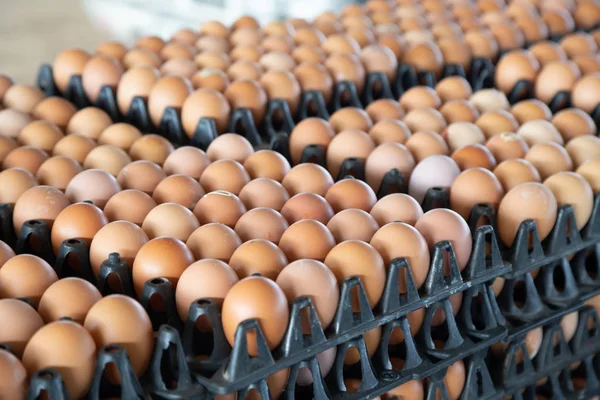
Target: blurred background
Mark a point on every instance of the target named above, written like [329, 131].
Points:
[34, 32]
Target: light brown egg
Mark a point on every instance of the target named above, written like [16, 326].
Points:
[151, 147]
[152, 43]
[39, 202]
[482, 43]
[26, 276]
[282, 85]
[41, 134]
[426, 143]
[261, 223]
[264, 192]
[68, 297]
[246, 36]
[306, 239]
[12, 122]
[219, 206]
[420, 97]
[384, 109]
[348, 143]
[25, 321]
[508, 36]
[27, 157]
[495, 122]
[589, 170]
[461, 134]
[586, 15]
[230, 146]
[309, 131]
[121, 135]
[164, 257]
[177, 50]
[313, 76]
[129, 205]
[210, 79]
[22, 98]
[113, 49]
[213, 240]
[351, 193]
[308, 53]
[459, 111]
[350, 118]
[473, 186]
[55, 110]
[340, 43]
[392, 40]
[168, 91]
[540, 206]
[213, 28]
[529, 110]
[14, 382]
[571, 188]
[378, 58]
[7, 145]
[513, 172]
[364, 36]
[547, 51]
[307, 206]
[371, 270]
[94, 185]
[389, 130]
[384, 158]
[106, 157]
[555, 77]
[587, 63]
[121, 237]
[453, 88]
[412, 389]
[75, 362]
[507, 145]
[170, 219]
[212, 43]
[425, 119]
[277, 61]
[226, 175]
[186, 35]
[262, 299]
[474, 155]
[74, 146]
[533, 28]
[179, 189]
[456, 51]
[179, 66]
[66, 64]
[585, 92]
[78, 221]
[443, 224]
[137, 58]
[89, 122]
[141, 175]
[186, 160]
[6, 253]
[425, 56]
[258, 256]
[583, 148]
[514, 66]
[245, 70]
[247, 94]
[539, 131]
[559, 21]
[549, 158]
[100, 71]
[307, 177]
[347, 67]
[213, 60]
[578, 43]
[487, 100]
[15, 182]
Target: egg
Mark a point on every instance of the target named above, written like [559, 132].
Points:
[258, 256]
[141, 175]
[583, 148]
[507, 145]
[78, 221]
[436, 170]
[513, 172]
[204, 279]
[306, 239]
[137, 81]
[308, 53]
[219, 206]
[106, 157]
[378, 58]
[121, 237]
[590, 172]
[345, 67]
[213, 240]
[120, 135]
[307, 177]
[27, 157]
[264, 192]
[555, 77]
[462, 196]
[230, 146]
[151, 147]
[186, 160]
[389, 130]
[24, 322]
[420, 97]
[68, 297]
[549, 158]
[584, 94]
[129, 205]
[425, 144]
[14, 377]
[263, 300]
[7, 144]
[587, 63]
[384, 109]
[425, 119]
[482, 43]
[278, 61]
[340, 43]
[352, 224]
[309, 131]
[69, 349]
[559, 21]
[22, 98]
[213, 28]
[351, 193]
[425, 56]
[26, 276]
[307, 206]
[578, 43]
[261, 223]
[587, 15]
[246, 35]
[348, 143]
[181, 66]
[541, 206]
[225, 175]
[175, 49]
[89, 122]
[152, 43]
[5, 83]
[40, 202]
[547, 51]
[205, 103]
[180, 189]
[348, 118]
[533, 343]
[453, 88]
[515, 66]
[168, 91]
[531, 109]
[41, 134]
[314, 77]
[210, 79]
[539, 131]
[487, 100]
[66, 64]
[474, 155]
[137, 58]
[495, 122]
[571, 188]
[412, 389]
[93, 184]
[282, 85]
[74, 146]
[212, 43]
[244, 70]
[100, 71]
[15, 182]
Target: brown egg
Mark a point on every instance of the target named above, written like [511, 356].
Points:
[7, 145]
[549, 158]
[121, 135]
[121, 237]
[151, 147]
[306, 239]
[474, 155]
[313, 279]
[261, 223]
[12, 122]
[100, 71]
[539, 131]
[89, 122]
[27, 157]
[508, 35]
[15, 182]
[587, 63]
[482, 43]
[559, 21]
[164, 257]
[384, 109]
[121, 320]
[264, 192]
[555, 77]
[348, 143]
[459, 111]
[213, 240]
[141, 175]
[533, 28]
[246, 36]
[363, 35]
[487, 100]
[307, 206]
[219, 206]
[583, 148]
[453, 88]
[212, 43]
[14, 383]
[25, 321]
[78, 221]
[308, 54]
[180, 189]
[263, 300]
[531, 109]
[213, 28]
[226, 175]
[589, 170]
[277, 61]
[22, 98]
[496, 122]
[26, 276]
[94, 185]
[347, 67]
[571, 188]
[547, 51]
[282, 85]
[456, 51]
[309, 131]
[461, 134]
[74, 146]
[585, 92]
[392, 40]
[412, 389]
[258, 256]
[514, 66]
[248, 94]
[179, 66]
[181, 222]
[210, 79]
[245, 70]
[186, 35]
[55, 110]
[540, 206]
[473, 186]
[350, 118]
[352, 224]
[112, 48]
[384, 158]
[371, 270]
[152, 43]
[425, 119]
[389, 130]
[341, 43]
[578, 43]
[587, 15]
[507, 145]
[425, 56]
[514, 172]
[420, 97]
[6, 253]
[75, 362]
[213, 60]
[230, 146]
[186, 160]
[41, 203]
[307, 177]
[425, 144]
[109, 158]
[41, 134]
[129, 205]
[66, 64]
[278, 28]
[68, 297]
[137, 58]
[378, 58]
[312, 76]
[168, 91]
[372, 339]
[177, 50]
[351, 193]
